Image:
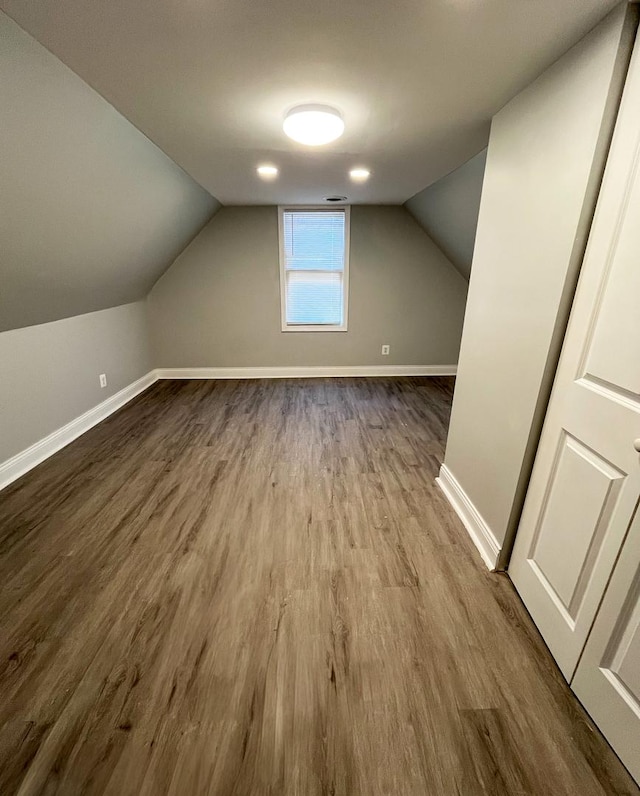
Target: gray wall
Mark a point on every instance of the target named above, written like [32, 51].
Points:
[50, 371]
[219, 303]
[545, 160]
[448, 211]
[91, 212]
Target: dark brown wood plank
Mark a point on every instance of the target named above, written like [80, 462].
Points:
[255, 587]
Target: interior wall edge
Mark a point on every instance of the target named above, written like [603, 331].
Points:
[216, 207]
[544, 152]
[434, 242]
[139, 300]
[302, 372]
[91, 210]
[219, 305]
[451, 171]
[51, 371]
[623, 60]
[20, 464]
[481, 534]
[447, 210]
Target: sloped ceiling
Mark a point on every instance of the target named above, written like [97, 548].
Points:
[91, 212]
[416, 80]
[448, 211]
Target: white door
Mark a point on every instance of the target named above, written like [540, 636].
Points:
[586, 478]
[607, 680]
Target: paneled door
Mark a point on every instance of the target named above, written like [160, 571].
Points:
[586, 479]
[607, 680]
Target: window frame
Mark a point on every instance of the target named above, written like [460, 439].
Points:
[325, 327]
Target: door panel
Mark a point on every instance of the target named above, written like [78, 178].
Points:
[612, 358]
[607, 680]
[625, 656]
[586, 479]
[574, 519]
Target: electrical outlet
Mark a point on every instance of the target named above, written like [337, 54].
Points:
[385, 350]
[103, 379]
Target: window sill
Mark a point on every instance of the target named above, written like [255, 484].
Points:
[321, 328]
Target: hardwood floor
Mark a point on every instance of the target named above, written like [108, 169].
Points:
[256, 588]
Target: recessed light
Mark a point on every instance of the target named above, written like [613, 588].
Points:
[313, 125]
[359, 175]
[267, 172]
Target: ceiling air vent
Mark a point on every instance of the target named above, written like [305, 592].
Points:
[335, 198]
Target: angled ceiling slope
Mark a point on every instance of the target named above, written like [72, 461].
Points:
[416, 80]
[448, 211]
[91, 212]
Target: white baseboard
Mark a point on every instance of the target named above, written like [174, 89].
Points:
[305, 372]
[480, 533]
[27, 459]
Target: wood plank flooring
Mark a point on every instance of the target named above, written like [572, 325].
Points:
[256, 588]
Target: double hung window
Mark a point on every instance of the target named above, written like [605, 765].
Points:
[314, 268]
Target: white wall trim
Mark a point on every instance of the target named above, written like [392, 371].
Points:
[305, 372]
[26, 460]
[480, 533]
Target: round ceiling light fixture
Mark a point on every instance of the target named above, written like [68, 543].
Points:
[313, 125]
[359, 175]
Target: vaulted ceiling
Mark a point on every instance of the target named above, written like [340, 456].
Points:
[416, 80]
[91, 212]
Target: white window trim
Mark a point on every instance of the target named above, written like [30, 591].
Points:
[345, 278]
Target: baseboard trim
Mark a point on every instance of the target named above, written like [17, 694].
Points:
[305, 372]
[26, 460]
[480, 533]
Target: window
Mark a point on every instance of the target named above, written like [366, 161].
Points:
[314, 268]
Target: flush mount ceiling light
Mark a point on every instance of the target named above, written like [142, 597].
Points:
[359, 175]
[313, 125]
[267, 172]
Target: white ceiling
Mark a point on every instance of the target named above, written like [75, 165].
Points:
[417, 81]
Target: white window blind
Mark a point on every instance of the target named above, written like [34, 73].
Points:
[313, 254]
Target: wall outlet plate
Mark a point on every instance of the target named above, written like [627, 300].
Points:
[385, 350]
[103, 379]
